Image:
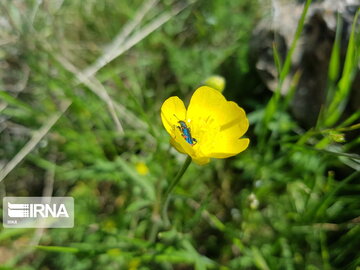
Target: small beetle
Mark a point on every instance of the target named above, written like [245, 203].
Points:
[185, 132]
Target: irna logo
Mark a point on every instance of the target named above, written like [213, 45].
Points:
[34, 210]
[38, 212]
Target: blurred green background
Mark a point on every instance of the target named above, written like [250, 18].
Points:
[74, 123]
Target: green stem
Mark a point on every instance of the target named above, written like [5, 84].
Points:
[175, 181]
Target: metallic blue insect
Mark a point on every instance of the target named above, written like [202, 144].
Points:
[185, 132]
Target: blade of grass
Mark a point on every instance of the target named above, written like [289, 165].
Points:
[273, 106]
[285, 70]
[320, 209]
[338, 154]
[58, 249]
[333, 72]
[351, 119]
[30, 145]
[287, 254]
[290, 94]
[334, 63]
[277, 58]
[96, 87]
[287, 64]
[339, 101]
[120, 39]
[14, 101]
[9, 233]
[134, 39]
[259, 259]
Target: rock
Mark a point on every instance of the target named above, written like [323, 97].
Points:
[312, 54]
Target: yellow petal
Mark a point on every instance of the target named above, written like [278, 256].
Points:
[201, 160]
[172, 110]
[205, 104]
[214, 120]
[234, 123]
[208, 106]
[228, 148]
[177, 146]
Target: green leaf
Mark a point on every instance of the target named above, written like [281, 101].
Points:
[58, 249]
[341, 96]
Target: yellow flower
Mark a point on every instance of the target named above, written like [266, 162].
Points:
[141, 168]
[211, 127]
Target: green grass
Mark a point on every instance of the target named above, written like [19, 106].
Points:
[290, 201]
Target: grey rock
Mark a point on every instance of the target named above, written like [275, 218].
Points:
[312, 54]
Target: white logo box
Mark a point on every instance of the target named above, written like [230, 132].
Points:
[38, 212]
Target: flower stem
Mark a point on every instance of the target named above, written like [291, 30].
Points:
[174, 182]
